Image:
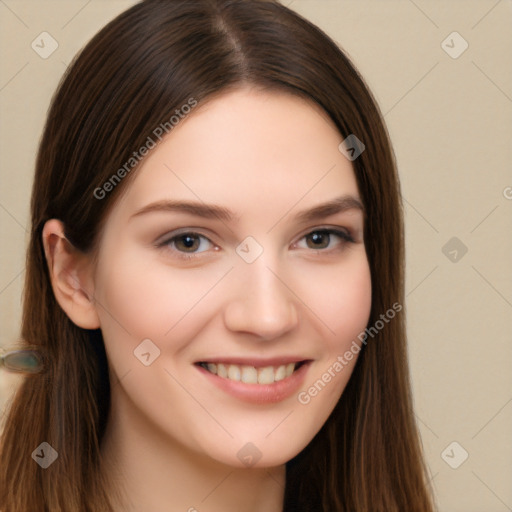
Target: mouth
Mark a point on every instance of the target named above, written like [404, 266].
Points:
[252, 374]
[256, 381]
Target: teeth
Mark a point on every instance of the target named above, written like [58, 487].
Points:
[266, 375]
[234, 372]
[280, 373]
[221, 371]
[250, 374]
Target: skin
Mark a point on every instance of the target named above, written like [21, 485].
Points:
[172, 438]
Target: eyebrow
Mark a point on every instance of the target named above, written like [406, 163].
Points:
[337, 205]
[199, 209]
[209, 211]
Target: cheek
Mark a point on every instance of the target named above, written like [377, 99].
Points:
[342, 299]
[343, 304]
[139, 300]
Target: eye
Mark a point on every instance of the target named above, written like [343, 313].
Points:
[187, 243]
[321, 239]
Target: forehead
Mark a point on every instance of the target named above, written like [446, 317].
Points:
[246, 148]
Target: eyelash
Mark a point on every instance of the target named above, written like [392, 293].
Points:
[345, 237]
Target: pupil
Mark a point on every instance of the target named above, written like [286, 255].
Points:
[189, 242]
[320, 239]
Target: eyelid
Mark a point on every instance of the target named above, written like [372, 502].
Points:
[344, 233]
[343, 230]
[165, 241]
[167, 237]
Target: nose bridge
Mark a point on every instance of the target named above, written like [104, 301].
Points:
[261, 303]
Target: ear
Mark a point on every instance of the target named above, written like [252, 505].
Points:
[71, 274]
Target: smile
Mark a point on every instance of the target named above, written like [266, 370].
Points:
[256, 381]
[250, 374]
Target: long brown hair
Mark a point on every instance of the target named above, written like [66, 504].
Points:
[130, 78]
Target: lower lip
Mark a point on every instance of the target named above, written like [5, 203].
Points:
[260, 393]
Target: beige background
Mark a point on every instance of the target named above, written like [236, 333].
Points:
[450, 120]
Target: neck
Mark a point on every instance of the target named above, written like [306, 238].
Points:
[149, 472]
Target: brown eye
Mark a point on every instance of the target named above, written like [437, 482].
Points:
[322, 239]
[318, 240]
[187, 243]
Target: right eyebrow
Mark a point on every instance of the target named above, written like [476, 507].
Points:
[207, 211]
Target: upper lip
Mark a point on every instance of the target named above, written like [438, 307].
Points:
[257, 362]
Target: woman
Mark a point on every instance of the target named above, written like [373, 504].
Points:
[214, 278]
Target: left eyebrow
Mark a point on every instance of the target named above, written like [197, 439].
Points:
[337, 205]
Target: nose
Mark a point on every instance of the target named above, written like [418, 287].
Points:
[261, 303]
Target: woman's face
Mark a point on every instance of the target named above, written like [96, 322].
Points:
[269, 283]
